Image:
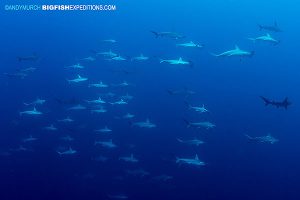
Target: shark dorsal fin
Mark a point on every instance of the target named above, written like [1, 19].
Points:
[78, 76]
[268, 35]
[147, 120]
[237, 47]
[196, 157]
[34, 109]
[180, 59]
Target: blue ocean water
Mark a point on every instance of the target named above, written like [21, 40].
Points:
[232, 166]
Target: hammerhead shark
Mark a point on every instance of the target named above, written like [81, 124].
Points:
[273, 28]
[235, 52]
[171, 35]
[284, 104]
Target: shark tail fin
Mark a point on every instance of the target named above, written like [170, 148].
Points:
[249, 137]
[252, 39]
[187, 104]
[188, 124]
[130, 123]
[179, 140]
[155, 33]
[286, 103]
[170, 92]
[267, 101]
[286, 106]
[214, 54]
[191, 64]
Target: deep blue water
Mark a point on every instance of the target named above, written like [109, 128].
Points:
[228, 87]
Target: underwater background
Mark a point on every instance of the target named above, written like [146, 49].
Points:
[229, 87]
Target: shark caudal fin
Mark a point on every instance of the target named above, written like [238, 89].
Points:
[214, 54]
[191, 64]
[155, 33]
[187, 104]
[286, 103]
[179, 140]
[248, 136]
[267, 101]
[188, 124]
[170, 92]
[252, 39]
